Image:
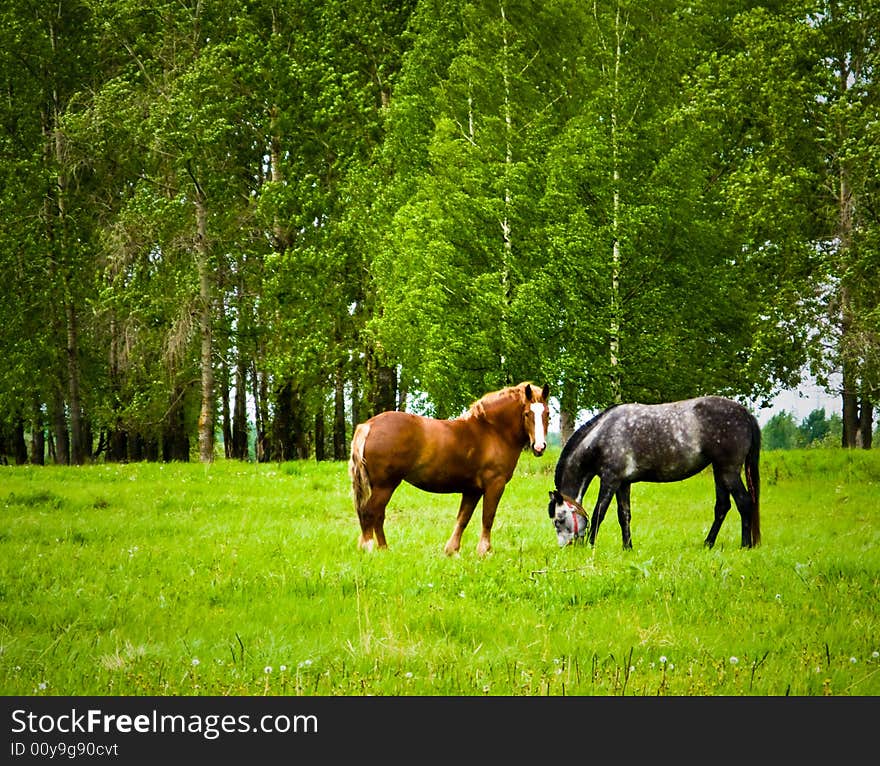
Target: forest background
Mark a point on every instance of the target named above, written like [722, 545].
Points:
[240, 228]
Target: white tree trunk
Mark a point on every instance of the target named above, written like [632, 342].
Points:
[206, 330]
[614, 324]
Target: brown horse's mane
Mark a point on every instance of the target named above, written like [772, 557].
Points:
[495, 399]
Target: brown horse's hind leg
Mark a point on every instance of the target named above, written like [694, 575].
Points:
[465, 511]
[372, 518]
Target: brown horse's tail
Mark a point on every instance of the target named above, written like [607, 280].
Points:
[753, 480]
[357, 468]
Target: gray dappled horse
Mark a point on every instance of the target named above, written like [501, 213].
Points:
[628, 443]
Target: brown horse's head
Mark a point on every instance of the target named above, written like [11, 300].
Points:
[536, 417]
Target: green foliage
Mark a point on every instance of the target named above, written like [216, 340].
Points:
[246, 579]
[815, 427]
[815, 430]
[454, 195]
[781, 432]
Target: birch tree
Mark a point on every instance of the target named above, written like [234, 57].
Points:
[49, 53]
[456, 269]
[795, 97]
[849, 137]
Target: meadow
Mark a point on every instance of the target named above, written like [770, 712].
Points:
[245, 579]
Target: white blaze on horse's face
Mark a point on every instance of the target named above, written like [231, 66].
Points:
[539, 417]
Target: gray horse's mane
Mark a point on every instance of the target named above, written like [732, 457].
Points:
[578, 436]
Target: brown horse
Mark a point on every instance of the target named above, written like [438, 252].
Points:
[474, 455]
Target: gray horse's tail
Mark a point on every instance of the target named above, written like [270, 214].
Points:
[753, 480]
[361, 489]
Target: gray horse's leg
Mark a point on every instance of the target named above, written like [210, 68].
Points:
[623, 514]
[722, 505]
[607, 490]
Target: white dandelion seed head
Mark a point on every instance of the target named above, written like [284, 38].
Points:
[663, 659]
[734, 660]
[267, 669]
[196, 662]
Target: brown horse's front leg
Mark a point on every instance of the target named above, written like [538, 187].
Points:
[465, 511]
[490, 505]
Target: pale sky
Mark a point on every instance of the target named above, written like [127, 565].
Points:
[801, 402]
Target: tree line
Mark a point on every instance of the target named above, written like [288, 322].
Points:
[783, 431]
[248, 226]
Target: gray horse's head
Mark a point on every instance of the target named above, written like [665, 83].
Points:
[569, 519]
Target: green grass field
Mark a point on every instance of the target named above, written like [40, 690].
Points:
[246, 579]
